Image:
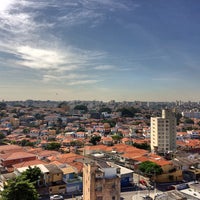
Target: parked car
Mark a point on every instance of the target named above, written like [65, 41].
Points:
[56, 197]
[147, 197]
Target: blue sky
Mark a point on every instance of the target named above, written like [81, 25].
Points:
[123, 50]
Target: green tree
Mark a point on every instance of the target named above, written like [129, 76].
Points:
[3, 106]
[76, 143]
[178, 117]
[32, 174]
[112, 122]
[25, 142]
[2, 136]
[150, 168]
[105, 109]
[53, 146]
[62, 104]
[94, 139]
[189, 121]
[128, 112]
[26, 130]
[19, 189]
[142, 146]
[81, 108]
[117, 137]
[3, 114]
[80, 129]
[39, 116]
[59, 121]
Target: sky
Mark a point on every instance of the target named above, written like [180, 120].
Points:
[122, 50]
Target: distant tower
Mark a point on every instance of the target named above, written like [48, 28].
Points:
[101, 182]
[163, 132]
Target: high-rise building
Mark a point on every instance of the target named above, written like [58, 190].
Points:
[101, 181]
[163, 132]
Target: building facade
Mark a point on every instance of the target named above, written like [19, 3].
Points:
[101, 182]
[163, 132]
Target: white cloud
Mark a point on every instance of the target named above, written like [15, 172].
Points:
[5, 4]
[47, 78]
[108, 4]
[41, 58]
[105, 67]
[92, 11]
[83, 82]
[60, 78]
[32, 44]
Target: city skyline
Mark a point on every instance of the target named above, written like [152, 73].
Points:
[99, 50]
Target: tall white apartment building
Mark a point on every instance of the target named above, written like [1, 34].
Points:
[163, 132]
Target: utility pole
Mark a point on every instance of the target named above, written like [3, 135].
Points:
[138, 185]
[154, 183]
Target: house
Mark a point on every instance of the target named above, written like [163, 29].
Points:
[9, 159]
[34, 132]
[80, 134]
[126, 175]
[67, 141]
[73, 181]
[170, 173]
[55, 181]
[43, 180]
[10, 148]
[107, 141]
[70, 159]
[44, 154]
[127, 141]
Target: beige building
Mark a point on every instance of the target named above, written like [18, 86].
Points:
[15, 122]
[163, 132]
[100, 181]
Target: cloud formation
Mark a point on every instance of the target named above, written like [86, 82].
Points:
[29, 41]
[51, 44]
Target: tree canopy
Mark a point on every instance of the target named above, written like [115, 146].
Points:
[19, 189]
[81, 107]
[105, 109]
[189, 121]
[62, 104]
[112, 122]
[117, 137]
[3, 106]
[94, 139]
[128, 112]
[39, 116]
[150, 168]
[142, 146]
[178, 117]
[32, 174]
[23, 186]
[2, 136]
[53, 146]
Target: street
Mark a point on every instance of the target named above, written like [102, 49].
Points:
[129, 195]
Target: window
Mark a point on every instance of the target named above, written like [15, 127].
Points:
[99, 198]
[98, 188]
[113, 198]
